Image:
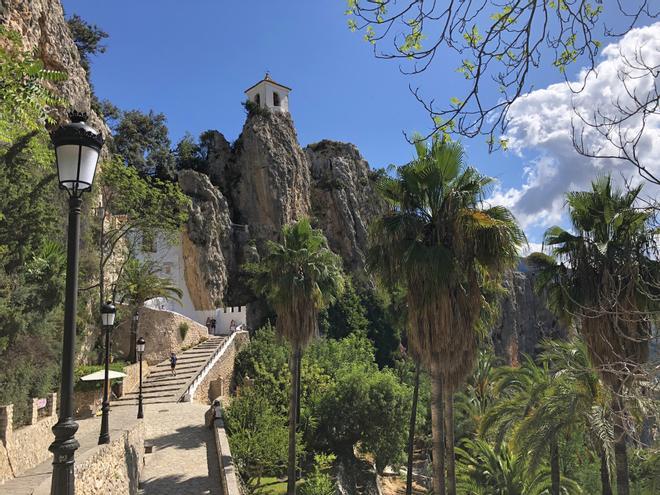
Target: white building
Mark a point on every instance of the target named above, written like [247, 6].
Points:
[169, 258]
[269, 94]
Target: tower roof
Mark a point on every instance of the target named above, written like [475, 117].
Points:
[268, 80]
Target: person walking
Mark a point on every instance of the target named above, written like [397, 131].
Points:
[173, 359]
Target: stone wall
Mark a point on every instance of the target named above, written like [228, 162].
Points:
[112, 469]
[228, 472]
[26, 447]
[86, 403]
[161, 333]
[219, 379]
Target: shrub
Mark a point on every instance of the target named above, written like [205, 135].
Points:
[183, 330]
[319, 482]
[81, 371]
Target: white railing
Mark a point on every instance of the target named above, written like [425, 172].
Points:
[189, 394]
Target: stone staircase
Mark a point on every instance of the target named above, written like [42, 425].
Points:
[161, 387]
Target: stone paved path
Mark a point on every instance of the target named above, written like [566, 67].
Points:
[184, 460]
[88, 435]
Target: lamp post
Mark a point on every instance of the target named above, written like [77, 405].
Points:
[139, 347]
[108, 313]
[77, 148]
[132, 357]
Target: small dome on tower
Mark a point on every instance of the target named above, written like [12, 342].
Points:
[269, 94]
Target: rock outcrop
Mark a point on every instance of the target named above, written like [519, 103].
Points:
[524, 319]
[273, 175]
[207, 243]
[344, 198]
[45, 32]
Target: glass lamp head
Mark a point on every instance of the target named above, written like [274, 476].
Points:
[77, 148]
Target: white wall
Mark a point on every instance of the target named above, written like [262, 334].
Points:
[224, 317]
[265, 91]
[169, 258]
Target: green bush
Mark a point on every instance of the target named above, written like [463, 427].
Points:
[319, 481]
[183, 330]
[81, 371]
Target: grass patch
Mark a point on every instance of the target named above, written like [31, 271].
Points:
[272, 486]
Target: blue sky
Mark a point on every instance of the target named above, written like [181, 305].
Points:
[193, 60]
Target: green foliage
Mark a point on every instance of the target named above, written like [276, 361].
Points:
[345, 316]
[298, 277]
[363, 308]
[265, 360]
[148, 205]
[81, 371]
[258, 436]
[31, 214]
[142, 140]
[183, 330]
[319, 482]
[484, 470]
[645, 472]
[253, 108]
[25, 99]
[345, 399]
[193, 155]
[370, 407]
[87, 37]
[140, 281]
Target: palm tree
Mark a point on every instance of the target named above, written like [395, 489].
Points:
[578, 400]
[442, 244]
[484, 470]
[542, 403]
[140, 281]
[298, 276]
[604, 277]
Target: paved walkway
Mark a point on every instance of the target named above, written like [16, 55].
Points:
[184, 459]
[121, 419]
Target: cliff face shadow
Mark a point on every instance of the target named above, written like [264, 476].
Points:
[177, 484]
[132, 460]
[184, 438]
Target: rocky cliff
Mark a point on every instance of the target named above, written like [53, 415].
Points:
[273, 183]
[268, 180]
[261, 182]
[208, 249]
[524, 319]
[44, 31]
[344, 198]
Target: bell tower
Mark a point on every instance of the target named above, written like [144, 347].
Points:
[269, 94]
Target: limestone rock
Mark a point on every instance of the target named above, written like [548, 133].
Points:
[273, 185]
[344, 198]
[207, 245]
[45, 32]
[219, 159]
[524, 319]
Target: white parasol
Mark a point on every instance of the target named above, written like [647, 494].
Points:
[100, 375]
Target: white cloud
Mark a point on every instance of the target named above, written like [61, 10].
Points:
[540, 132]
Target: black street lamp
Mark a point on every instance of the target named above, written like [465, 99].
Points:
[108, 313]
[77, 148]
[139, 347]
[132, 357]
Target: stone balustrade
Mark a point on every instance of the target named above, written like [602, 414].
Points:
[215, 379]
[24, 448]
[228, 472]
